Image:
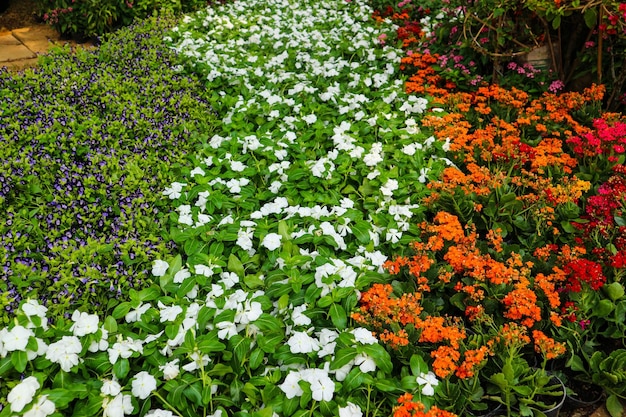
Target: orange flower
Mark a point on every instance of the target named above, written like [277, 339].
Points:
[547, 346]
[473, 358]
[446, 359]
[521, 304]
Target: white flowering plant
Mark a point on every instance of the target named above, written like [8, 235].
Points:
[283, 215]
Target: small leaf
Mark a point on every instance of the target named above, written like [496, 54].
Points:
[343, 357]
[121, 368]
[614, 406]
[235, 265]
[19, 359]
[338, 316]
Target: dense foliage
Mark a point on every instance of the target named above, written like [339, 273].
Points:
[89, 140]
[344, 230]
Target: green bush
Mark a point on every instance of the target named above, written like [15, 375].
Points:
[88, 18]
[88, 140]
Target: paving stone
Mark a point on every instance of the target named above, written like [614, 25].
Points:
[6, 38]
[35, 33]
[15, 52]
[39, 46]
[21, 64]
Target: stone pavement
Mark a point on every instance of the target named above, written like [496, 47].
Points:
[19, 48]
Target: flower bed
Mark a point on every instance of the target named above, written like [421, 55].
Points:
[343, 246]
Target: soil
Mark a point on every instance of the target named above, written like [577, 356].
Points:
[18, 14]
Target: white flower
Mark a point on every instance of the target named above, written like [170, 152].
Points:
[16, 338]
[110, 387]
[249, 313]
[197, 171]
[169, 313]
[364, 336]
[174, 191]
[84, 323]
[119, 406]
[198, 361]
[170, 369]
[23, 394]
[271, 241]
[429, 382]
[365, 363]
[160, 413]
[393, 235]
[42, 408]
[227, 329]
[390, 186]
[229, 279]
[322, 388]
[135, 315]
[32, 308]
[237, 166]
[310, 119]
[291, 386]
[159, 268]
[205, 270]
[350, 410]
[143, 384]
[298, 317]
[65, 352]
[300, 342]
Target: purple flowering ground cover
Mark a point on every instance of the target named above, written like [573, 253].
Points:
[89, 140]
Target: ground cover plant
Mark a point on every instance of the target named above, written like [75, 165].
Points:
[89, 141]
[352, 240]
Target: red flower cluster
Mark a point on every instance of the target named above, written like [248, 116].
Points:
[583, 270]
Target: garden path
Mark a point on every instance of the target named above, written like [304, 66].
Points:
[19, 48]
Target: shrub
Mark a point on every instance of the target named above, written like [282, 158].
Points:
[89, 140]
[80, 18]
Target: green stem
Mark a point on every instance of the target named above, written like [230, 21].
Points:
[170, 406]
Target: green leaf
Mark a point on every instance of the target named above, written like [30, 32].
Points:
[240, 346]
[614, 406]
[62, 380]
[343, 357]
[174, 266]
[194, 394]
[269, 341]
[418, 365]
[338, 316]
[210, 343]
[355, 379]
[235, 265]
[615, 291]
[92, 407]
[121, 368]
[361, 232]
[121, 310]
[386, 385]
[19, 359]
[61, 397]
[5, 365]
[603, 308]
[556, 22]
[110, 324]
[149, 294]
[256, 358]
[591, 17]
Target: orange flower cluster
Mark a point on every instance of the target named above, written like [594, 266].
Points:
[521, 304]
[410, 408]
[424, 78]
[547, 346]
